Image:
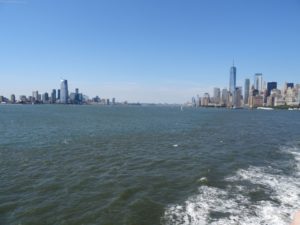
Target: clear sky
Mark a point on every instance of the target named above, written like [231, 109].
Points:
[146, 50]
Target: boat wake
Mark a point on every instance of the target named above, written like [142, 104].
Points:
[252, 196]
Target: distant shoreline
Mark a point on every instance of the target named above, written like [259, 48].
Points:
[165, 105]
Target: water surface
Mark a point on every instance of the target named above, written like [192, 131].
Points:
[65, 164]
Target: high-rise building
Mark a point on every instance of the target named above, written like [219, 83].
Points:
[224, 97]
[64, 93]
[255, 99]
[23, 98]
[205, 100]
[35, 95]
[258, 82]
[83, 98]
[53, 96]
[246, 91]
[58, 94]
[291, 85]
[238, 97]
[76, 96]
[270, 87]
[12, 98]
[217, 95]
[232, 80]
[45, 97]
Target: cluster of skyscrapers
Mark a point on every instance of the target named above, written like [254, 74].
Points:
[259, 94]
[60, 95]
[57, 96]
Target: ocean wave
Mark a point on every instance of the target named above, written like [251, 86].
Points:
[256, 195]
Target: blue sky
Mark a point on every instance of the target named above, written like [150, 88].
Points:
[146, 51]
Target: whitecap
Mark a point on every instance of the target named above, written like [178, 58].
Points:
[65, 141]
[202, 180]
[233, 203]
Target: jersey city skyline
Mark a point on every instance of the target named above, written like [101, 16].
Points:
[153, 52]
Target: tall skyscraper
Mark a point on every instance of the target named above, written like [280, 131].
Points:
[58, 94]
[53, 96]
[64, 93]
[76, 96]
[217, 95]
[258, 82]
[246, 91]
[232, 79]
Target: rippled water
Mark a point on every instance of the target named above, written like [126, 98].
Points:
[147, 165]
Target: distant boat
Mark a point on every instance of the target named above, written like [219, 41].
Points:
[265, 108]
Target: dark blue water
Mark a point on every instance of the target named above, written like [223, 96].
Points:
[148, 165]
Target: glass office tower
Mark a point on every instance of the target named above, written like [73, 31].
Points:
[64, 93]
[258, 82]
[232, 80]
[246, 91]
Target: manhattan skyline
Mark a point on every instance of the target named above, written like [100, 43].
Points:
[146, 51]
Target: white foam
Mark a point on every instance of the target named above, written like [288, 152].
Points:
[235, 207]
[65, 141]
[203, 180]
